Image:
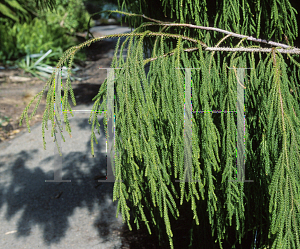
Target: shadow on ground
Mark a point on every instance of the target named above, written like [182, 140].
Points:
[50, 205]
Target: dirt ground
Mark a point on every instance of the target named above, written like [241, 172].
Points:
[17, 89]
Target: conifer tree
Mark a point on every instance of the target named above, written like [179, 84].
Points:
[214, 39]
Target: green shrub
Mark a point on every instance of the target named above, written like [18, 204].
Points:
[7, 42]
[70, 14]
[32, 38]
[47, 31]
[14, 10]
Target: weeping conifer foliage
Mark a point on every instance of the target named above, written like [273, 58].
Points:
[149, 125]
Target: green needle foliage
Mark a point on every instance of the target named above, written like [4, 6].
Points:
[150, 124]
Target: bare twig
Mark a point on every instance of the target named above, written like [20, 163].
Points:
[59, 195]
[63, 20]
[266, 50]
[249, 38]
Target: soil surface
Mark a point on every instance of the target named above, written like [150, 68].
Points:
[18, 88]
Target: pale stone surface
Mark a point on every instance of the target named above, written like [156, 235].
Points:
[76, 214]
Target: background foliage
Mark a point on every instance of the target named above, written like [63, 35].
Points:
[31, 38]
[70, 14]
[25, 29]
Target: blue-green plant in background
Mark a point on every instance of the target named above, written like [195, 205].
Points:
[40, 67]
[33, 38]
[109, 6]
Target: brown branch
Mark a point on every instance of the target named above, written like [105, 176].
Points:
[249, 38]
[241, 49]
[266, 50]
